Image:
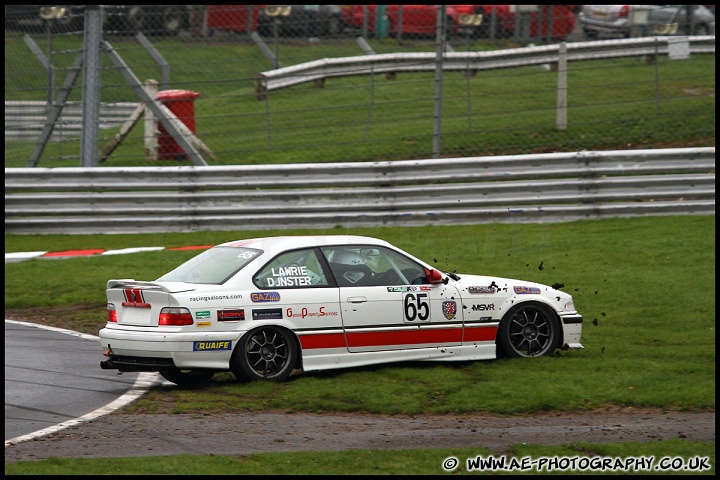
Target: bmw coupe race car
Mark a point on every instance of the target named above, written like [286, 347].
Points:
[267, 307]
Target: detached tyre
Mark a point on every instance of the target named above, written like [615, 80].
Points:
[266, 353]
[528, 330]
[187, 378]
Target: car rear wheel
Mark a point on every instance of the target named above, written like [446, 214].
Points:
[266, 353]
[187, 378]
[528, 330]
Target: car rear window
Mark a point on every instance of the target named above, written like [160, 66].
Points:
[214, 266]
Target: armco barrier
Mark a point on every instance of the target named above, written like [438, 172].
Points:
[524, 188]
[392, 63]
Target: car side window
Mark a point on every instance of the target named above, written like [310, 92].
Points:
[295, 269]
[363, 266]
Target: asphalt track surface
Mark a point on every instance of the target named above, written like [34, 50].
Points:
[53, 381]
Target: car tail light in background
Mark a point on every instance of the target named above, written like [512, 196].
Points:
[175, 316]
[111, 313]
[624, 11]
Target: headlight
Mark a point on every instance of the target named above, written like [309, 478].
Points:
[569, 305]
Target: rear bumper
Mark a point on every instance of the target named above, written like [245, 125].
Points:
[136, 364]
[133, 351]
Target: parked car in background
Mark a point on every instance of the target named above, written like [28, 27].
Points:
[233, 18]
[290, 20]
[301, 20]
[147, 19]
[547, 21]
[416, 20]
[267, 307]
[67, 18]
[498, 21]
[643, 20]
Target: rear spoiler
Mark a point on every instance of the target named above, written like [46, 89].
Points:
[130, 283]
[170, 287]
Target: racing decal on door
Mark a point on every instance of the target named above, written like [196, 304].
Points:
[416, 307]
[449, 309]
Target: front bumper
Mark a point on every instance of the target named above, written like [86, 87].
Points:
[572, 329]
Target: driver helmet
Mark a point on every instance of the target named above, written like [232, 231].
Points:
[346, 257]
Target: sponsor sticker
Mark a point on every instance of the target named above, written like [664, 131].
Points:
[267, 314]
[488, 306]
[202, 315]
[207, 346]
[203, 324]
[260, 297]
[230, 314]
[449, 309]
[411, 288]
[522, 290]
[481, 290]
[305, 312]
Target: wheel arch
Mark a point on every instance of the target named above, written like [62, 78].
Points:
[531, 302]
[290, 331]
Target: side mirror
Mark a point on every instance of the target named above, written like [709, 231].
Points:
[434, 276]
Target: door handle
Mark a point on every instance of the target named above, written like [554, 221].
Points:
[357, 299]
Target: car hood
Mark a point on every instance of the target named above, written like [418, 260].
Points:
[486, 284]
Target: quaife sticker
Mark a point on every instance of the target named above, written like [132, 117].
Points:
[217, 345]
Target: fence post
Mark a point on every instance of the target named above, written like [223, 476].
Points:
[151, 143]
[439, 54]
[91, 86]
[561, 120]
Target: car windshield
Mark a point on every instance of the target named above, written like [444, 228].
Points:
[214, 266]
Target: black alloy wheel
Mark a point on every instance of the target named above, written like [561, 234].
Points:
[530, 329]
[266, 353]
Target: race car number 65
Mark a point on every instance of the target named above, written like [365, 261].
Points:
[416, 307]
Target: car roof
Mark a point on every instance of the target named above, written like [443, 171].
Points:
[300, 241]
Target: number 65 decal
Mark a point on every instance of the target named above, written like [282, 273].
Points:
[416, 307]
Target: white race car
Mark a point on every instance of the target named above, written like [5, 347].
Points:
[267, 307]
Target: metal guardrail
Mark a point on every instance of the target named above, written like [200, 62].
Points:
[524, 188]
[391, 63]
[24, 120]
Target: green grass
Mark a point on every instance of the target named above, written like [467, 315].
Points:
[644, 285]
[370, 462]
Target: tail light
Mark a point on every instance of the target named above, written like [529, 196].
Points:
[111, 313]
[624, 11]
[175, 316]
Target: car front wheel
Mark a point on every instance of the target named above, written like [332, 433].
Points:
[266, 353]
[187, 378]
[528, 330]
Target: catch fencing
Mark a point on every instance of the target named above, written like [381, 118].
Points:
[644, 101]
[500, 189]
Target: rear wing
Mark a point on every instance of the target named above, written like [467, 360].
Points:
[167, 287]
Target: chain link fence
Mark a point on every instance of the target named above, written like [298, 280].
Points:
[204, 61]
